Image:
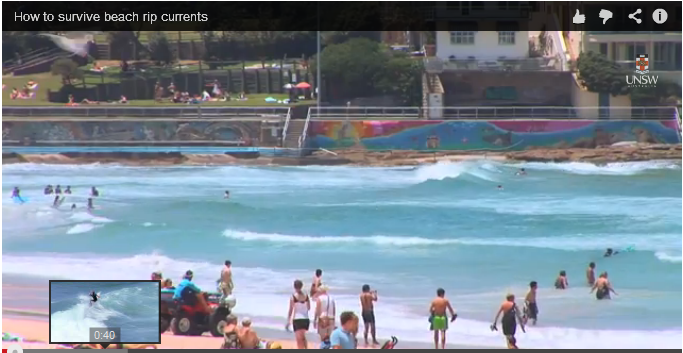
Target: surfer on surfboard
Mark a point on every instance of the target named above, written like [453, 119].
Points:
[93, 297]
[16, 192]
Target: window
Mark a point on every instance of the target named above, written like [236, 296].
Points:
[506, 38]
[460, 38]
[603, 49]
[667, 56]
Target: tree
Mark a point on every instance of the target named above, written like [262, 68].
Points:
[361, 67]
[68, 69]
[159, 48]
[663, 93]
[600, 75]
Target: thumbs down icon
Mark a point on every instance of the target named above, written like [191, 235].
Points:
[605, 15]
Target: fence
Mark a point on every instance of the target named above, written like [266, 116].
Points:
[476, 113]
[190, 111]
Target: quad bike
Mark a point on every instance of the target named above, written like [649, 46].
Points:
[189, 320]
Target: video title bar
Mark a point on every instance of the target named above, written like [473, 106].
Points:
[337, 16]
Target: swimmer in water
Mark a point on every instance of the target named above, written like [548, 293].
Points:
[90, 205]
[521, 171]
[55, 203]
[73, 206]
[609, 252]
[94, 192]
[561, 281]
[16, 192]
[227, 194]
[603, 287]
[68, 190]
[500, 187]
[58, 190]
[48, 190]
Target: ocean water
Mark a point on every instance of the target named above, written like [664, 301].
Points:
[131, 306]
[404, 231]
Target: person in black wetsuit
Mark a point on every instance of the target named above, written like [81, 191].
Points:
[511, 317]
[93, 297]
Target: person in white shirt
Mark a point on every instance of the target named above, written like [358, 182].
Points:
[325, 312]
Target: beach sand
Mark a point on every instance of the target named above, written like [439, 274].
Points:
[25, 313]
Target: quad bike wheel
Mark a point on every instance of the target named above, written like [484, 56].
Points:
[182, 325]
[217, 321]
[164, 323]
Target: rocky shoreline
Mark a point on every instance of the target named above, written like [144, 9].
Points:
[600, 155]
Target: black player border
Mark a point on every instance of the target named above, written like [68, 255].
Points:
[100, 281]
[347, 16]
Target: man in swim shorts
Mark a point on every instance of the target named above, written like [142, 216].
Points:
[439, 319]
[367, 299]
[509, 320]
[561, 282]
[226, 286]
[603, 287]
[530, 306]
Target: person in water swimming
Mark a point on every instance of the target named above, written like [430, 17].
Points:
[603, 287]
[68, 190]
[438, 317]
[90, 204]
[610, 252]
[521, 172]
[58, 190]
[55, 203]
[16, 192]
[509, 321]
[561, 281]
[590, 274]
[227, 194]
[94, 192]
[93, 297]
[500, 187]
[73, 206]
[48, 190]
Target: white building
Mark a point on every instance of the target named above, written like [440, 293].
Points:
[482, 45]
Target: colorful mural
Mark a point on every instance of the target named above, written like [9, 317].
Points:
[485, 135]
[131, 130]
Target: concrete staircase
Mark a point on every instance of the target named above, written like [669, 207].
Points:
[295, 129]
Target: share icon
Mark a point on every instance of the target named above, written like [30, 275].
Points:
[633, 16]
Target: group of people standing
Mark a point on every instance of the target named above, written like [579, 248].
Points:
[324, 316]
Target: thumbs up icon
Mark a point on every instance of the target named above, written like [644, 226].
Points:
[579, 19]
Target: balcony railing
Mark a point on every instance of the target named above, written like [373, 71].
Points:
[454, 63]
[86, 111]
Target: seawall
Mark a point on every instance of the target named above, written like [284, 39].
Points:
[492, 135]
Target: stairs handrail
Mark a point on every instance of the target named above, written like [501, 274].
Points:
[302, 140]
[284, 129]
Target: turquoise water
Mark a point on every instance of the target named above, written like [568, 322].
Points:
[404, 231]
[133, 307]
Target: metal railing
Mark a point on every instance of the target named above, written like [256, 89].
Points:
[363, 113]
[455, 63]
[190, 111]
[476, 113]
[286, 126]
[302, 138]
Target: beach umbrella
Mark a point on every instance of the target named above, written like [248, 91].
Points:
[288, 86]
[78, 46]
[304, 85]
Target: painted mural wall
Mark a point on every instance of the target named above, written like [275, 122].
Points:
[132, 130]
[485, 135]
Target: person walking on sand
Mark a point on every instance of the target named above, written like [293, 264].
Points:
[367, 299]
[325, 311]
[316, 283]
[299, 306]
[438, 317]
[590, 274]
[509, 320]
[226, 286]
[342, 337]
[603, 287]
